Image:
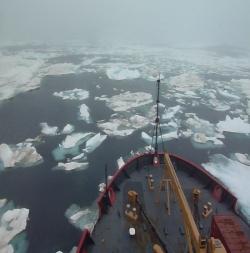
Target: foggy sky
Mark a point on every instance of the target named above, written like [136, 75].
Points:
[181, 23]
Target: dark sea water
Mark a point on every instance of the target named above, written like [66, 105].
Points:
[48, 193]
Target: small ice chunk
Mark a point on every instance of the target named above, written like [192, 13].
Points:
[6, 155]
[164, 137]
[84, 113]
[235, 125]
[68, 129]
[120, 162]
[102, 187]
[75, 94]
[48, 130]
[71, 166]
[94, 142]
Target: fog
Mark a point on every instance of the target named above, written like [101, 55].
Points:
[179, 23]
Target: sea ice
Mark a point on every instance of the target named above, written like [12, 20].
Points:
[242, 158]
[22, 155]
[187, 83]
[69, 166]
[73, 139]
[121, 73]
[225, 93]
[235, 125]
[164, 137]
[170, 112]
[235, 176]
[68, 129]
[13, 222]
[94, 142]
[123, 126]
[61, 69]
[84, 113]
[75, 94]
[48, 130]
[128, 100]
[120, 162]
[82, 217]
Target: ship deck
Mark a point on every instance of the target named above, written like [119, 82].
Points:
[157, 223]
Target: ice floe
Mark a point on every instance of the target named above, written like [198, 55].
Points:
[70, 166]
[73, 139]
[48, 130]
[13, 221]
[122, 126]
[187, 83]
[61, 69]
[164, 137]
[94, 142]
[128, 100]
[121, 73]
[235, 176]
[84, 113]
[170, 112]
[68, 129]
[75, 94]
[20, 155]
[82, 217]
[70, 145]
[234, 125]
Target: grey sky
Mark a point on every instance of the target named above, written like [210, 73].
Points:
[181, 23]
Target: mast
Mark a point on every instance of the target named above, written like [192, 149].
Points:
[157, 121]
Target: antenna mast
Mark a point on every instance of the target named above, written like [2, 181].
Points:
[157, 122]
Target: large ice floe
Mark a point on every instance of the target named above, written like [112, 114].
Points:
[131, 114]
[84, 113]
[82, 217]
[23, 154]
[203, 133]
[234, 125]
[61, 69]
[13, 221]
[120, 125]
[127, 100]
[235, 176]
[75, 94]
[121, 73]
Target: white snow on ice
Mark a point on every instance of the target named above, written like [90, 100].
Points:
[73, 139]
